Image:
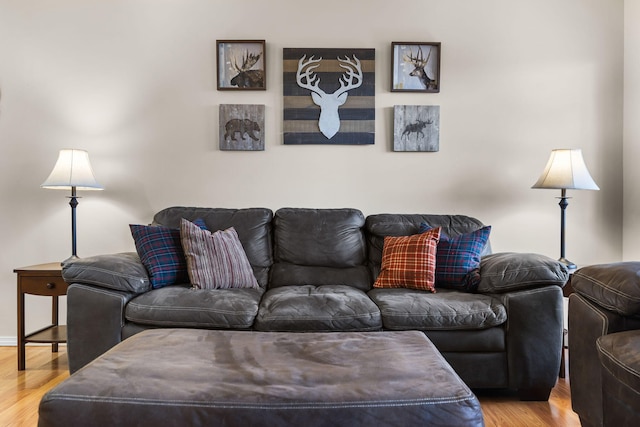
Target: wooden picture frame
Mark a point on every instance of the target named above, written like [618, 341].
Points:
[416, 128]
[241, 127]
[241, 64]
[329, 96]
[415, 67]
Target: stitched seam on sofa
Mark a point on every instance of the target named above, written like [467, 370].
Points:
[273, 406]
[110, 295]
[189, 309]
[608, 288]
[111, 273]
[454, 322]
[115, 288]
[516, 271]
[605, 320]
[355, 316]
[616, 362]
[519, 283]
[610, 307]
[439, 328]
[439, 314]
[105, 284]
[203, 324]
[600, 303]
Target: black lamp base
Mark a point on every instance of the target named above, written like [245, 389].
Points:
[569, 264]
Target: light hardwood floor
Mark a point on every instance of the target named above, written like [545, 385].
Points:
[20, 393]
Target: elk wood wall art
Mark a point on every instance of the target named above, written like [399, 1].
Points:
[241, 65]
[329, 96]
[415, 67]
[416, 128]
[241, 127]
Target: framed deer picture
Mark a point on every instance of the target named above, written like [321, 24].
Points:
[329, 96]
[241, 65]
[415, 67]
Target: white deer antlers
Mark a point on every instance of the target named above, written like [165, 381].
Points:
[329, 103]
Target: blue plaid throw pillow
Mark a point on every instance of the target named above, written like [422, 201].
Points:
[160, 251]
[458, 259]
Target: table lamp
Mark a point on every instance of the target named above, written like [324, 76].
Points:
[72, 171]
[565, 170]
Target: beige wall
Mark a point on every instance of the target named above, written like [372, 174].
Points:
[133, 82]
[631, 227]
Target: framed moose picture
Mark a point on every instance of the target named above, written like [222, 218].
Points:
[241, 65]
[416, 128]
[415, 67]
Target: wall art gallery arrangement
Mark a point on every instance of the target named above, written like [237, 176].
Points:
[329, 95]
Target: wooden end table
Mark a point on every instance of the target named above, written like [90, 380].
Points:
[45, 280]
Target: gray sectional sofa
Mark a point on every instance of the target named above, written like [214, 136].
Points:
[315, 269]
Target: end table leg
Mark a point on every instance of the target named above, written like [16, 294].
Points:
[21, 349]
[54, 321]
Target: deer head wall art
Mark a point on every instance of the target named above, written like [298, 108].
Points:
[329, 121]
[329, 96]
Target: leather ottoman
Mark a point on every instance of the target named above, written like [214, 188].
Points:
[179, 377]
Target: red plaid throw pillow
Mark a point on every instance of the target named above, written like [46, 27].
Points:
[409, 261]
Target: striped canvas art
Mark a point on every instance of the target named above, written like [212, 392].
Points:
[329, 96]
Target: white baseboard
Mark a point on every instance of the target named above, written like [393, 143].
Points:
[8, 341]
[13, 342]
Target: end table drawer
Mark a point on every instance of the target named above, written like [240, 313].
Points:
[44, 285]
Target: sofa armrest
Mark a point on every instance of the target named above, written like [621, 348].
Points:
[95, 317]
[534, 339]
[120, 272]
[510, 271]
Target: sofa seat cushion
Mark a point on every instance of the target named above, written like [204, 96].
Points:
[614, 286]
[405, 309]
[182, 306]
[317, 308]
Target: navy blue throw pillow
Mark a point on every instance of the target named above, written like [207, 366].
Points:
[458, 259]
[160, 251]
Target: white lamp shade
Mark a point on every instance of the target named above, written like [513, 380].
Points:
[566, 170]
[72, 169]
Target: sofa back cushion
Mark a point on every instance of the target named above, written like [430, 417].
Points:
[319, 247]
[253, 226]
[380, 225]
